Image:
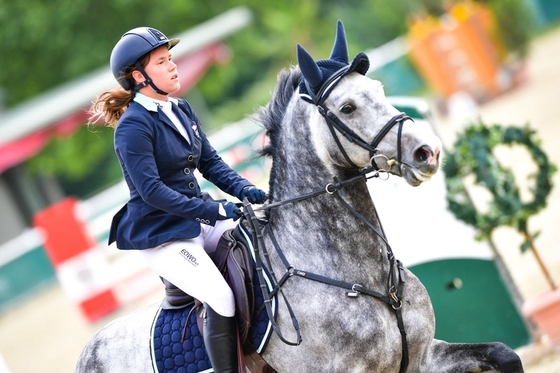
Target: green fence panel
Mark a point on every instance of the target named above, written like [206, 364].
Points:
[471, 302]
[399, 78]
[24, 274]
[546, 11]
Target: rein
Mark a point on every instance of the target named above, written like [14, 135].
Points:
[395, 280]
[329, 188]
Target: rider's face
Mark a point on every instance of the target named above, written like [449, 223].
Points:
[163, 72]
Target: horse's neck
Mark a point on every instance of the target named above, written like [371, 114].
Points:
[323, 226]
[320, 233]
[319, 207]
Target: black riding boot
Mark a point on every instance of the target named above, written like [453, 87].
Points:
[220, 340]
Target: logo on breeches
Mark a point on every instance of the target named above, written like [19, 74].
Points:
[190, 258]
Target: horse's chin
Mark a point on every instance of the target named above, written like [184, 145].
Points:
[415, 177]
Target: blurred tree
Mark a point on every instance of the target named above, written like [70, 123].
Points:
[83, 163]
[516, 24]
[51, 43]
[47, 43]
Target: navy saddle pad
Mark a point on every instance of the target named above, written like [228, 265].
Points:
[171, 355]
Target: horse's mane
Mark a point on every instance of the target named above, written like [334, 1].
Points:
[272, 115]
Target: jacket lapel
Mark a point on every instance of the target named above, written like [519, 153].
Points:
[165, 119]
[184, 119]
[190, 125]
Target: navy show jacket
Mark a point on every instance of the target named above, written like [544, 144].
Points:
[157, 163]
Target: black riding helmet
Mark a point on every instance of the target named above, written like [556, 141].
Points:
[132, 46]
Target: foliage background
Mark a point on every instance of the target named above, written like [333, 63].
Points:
[47, 43]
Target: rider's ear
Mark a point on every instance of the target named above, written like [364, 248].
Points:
[311, 72]
[138, 76]
[340, 48]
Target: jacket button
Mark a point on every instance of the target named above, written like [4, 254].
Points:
[191, 185]
[190, 158]
[187, 170]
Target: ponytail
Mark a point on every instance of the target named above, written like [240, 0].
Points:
[109, 106]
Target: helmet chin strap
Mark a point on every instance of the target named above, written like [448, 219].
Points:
[146, 82]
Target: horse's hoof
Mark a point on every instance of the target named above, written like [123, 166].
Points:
[506, 359]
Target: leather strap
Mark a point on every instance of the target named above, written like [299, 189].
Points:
[258, 242]
[334, 122]
[257, 364]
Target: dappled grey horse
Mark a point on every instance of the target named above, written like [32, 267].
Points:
[358, 309]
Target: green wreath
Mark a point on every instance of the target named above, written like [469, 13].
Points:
[473, 154]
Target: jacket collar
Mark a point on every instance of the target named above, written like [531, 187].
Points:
[149, 103]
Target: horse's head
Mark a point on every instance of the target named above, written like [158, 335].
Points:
[362, 128]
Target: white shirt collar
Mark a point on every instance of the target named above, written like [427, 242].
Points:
[150, 103]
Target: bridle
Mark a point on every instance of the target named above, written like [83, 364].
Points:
[333, 122]
[395, 278]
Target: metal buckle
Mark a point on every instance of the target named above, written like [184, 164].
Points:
[397, 303]
[354, 293]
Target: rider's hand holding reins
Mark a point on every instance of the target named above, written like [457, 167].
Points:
[229, 210]
[253, 195]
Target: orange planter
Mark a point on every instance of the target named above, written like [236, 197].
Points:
[544, 311]
[457, 52]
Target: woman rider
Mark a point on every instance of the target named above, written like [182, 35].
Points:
[159, 143]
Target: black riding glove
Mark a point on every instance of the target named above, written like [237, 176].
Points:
[230, 211]
[253, 194]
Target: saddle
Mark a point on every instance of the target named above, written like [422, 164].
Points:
[233, 259]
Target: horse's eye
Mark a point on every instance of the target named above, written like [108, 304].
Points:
[347, 109]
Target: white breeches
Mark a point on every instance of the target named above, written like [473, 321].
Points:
[186, 264]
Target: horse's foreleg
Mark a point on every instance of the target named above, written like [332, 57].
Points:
[446, 357]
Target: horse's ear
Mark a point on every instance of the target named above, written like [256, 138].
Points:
[309, 69]
[340, 47]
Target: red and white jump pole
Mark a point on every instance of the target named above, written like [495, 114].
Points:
[80, 265]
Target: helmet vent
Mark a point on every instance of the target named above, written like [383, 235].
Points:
[157, 34]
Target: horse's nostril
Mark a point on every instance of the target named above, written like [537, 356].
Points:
[424, 153]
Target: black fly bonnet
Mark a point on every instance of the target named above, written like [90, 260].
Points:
[320, 78]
